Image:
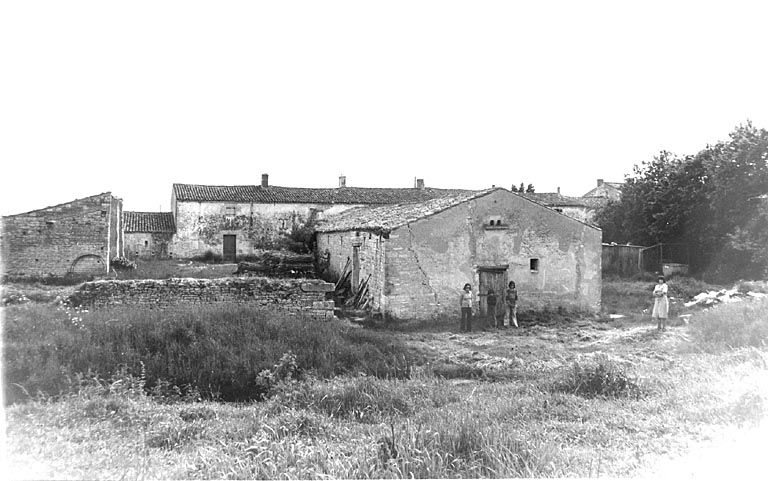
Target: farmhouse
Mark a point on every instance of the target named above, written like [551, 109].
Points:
[415, 257]
[606, 191]
[77, 237]
[239, 220]
[575, 207]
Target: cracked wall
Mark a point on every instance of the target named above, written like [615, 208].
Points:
[428, 261]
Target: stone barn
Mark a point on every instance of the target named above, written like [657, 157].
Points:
[238, 220]
[415, 257]
[148, 234]
[77, 237]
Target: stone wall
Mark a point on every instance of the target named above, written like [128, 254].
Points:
[147, 245]
[302, 297]
[201, 226]
[80, 236]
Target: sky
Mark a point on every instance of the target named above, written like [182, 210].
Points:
[131, 97]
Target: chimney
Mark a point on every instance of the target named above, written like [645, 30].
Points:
[420, 184]
[265, 180]
[342, 181]
[599, 182]
[558, 191]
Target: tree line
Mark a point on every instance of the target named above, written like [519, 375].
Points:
[715, 202]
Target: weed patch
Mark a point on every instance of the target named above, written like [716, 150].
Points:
[601, 378]
[188, 353]
[733, 325]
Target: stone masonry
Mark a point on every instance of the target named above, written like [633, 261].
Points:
[78, 237]
[302, 297]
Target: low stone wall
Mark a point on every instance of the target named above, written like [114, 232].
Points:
[303, 297]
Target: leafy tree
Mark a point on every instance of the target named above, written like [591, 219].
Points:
[514, 188]
[705, 201]
[521, 188]
[530, 189]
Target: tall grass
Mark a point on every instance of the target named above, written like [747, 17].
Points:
[218, 350]
[739, 324]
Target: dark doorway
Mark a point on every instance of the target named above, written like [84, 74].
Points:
[230, 248]
[492, 278]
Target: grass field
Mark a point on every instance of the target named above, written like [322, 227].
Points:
[586, 397]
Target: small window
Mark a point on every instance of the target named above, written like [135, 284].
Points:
[103, 213]
[494, 221]
[146, 243]
[282, 223]
[230, 211]
[534, 265]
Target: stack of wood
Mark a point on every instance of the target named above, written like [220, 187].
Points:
[346, 296]
[279, 264]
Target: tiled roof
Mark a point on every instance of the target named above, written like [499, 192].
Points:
[301, 195]
[388, 217]
[148, 222]
[553, 199]
[612, 190]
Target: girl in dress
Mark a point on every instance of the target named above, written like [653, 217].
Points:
[660, 304]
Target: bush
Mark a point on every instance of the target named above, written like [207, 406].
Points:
[122, 264]
[208, 257]
[732, 325]
[213, 351]
[601, 378]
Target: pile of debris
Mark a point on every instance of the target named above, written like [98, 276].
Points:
[723, 296]
[279, 264]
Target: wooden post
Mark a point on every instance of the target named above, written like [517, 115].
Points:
[356, 243]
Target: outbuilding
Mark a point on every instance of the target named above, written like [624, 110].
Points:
[414, 258]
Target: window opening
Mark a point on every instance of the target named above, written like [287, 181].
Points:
[535, 265]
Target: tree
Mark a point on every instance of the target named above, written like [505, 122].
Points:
[514, 188]
[521, 188]
[705, 201]
[530, 189]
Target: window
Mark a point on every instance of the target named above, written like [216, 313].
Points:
[146, 243]
[229, 211]
[494, 222]
[534, 265]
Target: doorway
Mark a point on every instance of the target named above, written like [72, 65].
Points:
[492, 278]
[230, 248]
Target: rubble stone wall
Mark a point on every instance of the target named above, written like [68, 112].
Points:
[302, 297]
[79, 236]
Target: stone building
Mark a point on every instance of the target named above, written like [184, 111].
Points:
[148, 234]
[608, 191]
[77, 237]
[238, 220]
[574, 207]
[416, 257]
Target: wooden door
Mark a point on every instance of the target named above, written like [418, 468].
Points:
[230, 248]
[495, 279]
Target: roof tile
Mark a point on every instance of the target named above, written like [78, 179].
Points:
[148, 222]
[388, 217]
[301, 195]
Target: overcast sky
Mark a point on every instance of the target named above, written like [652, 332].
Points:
[131, 97]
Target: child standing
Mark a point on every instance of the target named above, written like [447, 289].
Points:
[660, 304]
[490, 300]
[511, 301]
[465, 301]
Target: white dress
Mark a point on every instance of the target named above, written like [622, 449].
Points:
[660, 303]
